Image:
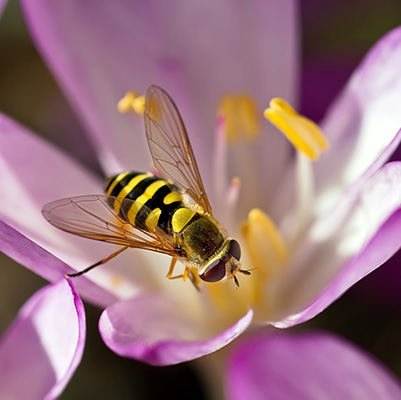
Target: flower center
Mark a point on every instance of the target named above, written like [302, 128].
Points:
[266, 245]
[310, 143]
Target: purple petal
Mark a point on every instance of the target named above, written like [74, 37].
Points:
[362, 124]
[362, 233]
[31, 177]
[40, 261]
[231, 48]
[306, 367]
[42, 348]
[160, 332]
[39, 173]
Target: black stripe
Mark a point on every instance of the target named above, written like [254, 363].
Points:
[133, 195]
[156, 201]
[166, 215]
[141, 187]
[120, 185]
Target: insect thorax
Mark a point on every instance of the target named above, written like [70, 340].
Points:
[200, 238]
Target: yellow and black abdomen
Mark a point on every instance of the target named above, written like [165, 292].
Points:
[153, 200]
[157, 202]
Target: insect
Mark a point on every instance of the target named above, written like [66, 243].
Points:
[169, 213]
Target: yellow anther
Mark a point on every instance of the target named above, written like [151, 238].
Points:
[264, 242]
[303, 133]
[132, 103]
[241, 117]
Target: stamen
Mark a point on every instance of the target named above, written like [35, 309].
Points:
[241, 117]
[131, 102]
[268, 254]
[303, 133]
[265, 244]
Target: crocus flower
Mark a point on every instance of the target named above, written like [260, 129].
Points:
[310, 366]
[41, 349]
[318, 228]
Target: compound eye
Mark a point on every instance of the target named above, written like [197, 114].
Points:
[234, 249]
[215, 272]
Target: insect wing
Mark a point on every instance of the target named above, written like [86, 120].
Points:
[169, 145]
[93, 217]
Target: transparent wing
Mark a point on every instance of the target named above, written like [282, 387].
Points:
[93, 217]
[169, 145]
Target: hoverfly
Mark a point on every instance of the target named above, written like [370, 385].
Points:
[169, 213]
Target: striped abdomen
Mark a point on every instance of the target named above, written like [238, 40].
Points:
[155, 200]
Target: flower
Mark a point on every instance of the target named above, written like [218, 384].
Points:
[305, 366]
[306, 252]
[40, 351]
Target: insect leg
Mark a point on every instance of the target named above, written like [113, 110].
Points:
[184, 276]
[189, 272]
[172, 265]
[84, 271]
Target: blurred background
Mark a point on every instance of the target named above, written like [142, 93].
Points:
[335, 36]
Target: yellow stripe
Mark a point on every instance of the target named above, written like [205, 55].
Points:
[149, 192]
[117, 179]
[172, 197]
[153, 219]
[142, 199]
[180, 218]
[131, 214]
[123, 194]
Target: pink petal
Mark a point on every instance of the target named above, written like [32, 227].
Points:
[197, 51]
[42, 348]
[306, 367]
[367, 224]
[362, 124]
[43, 263]
[39, 173]
[31, 177]
[156, 330]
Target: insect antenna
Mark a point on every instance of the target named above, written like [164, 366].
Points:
[245, 271]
